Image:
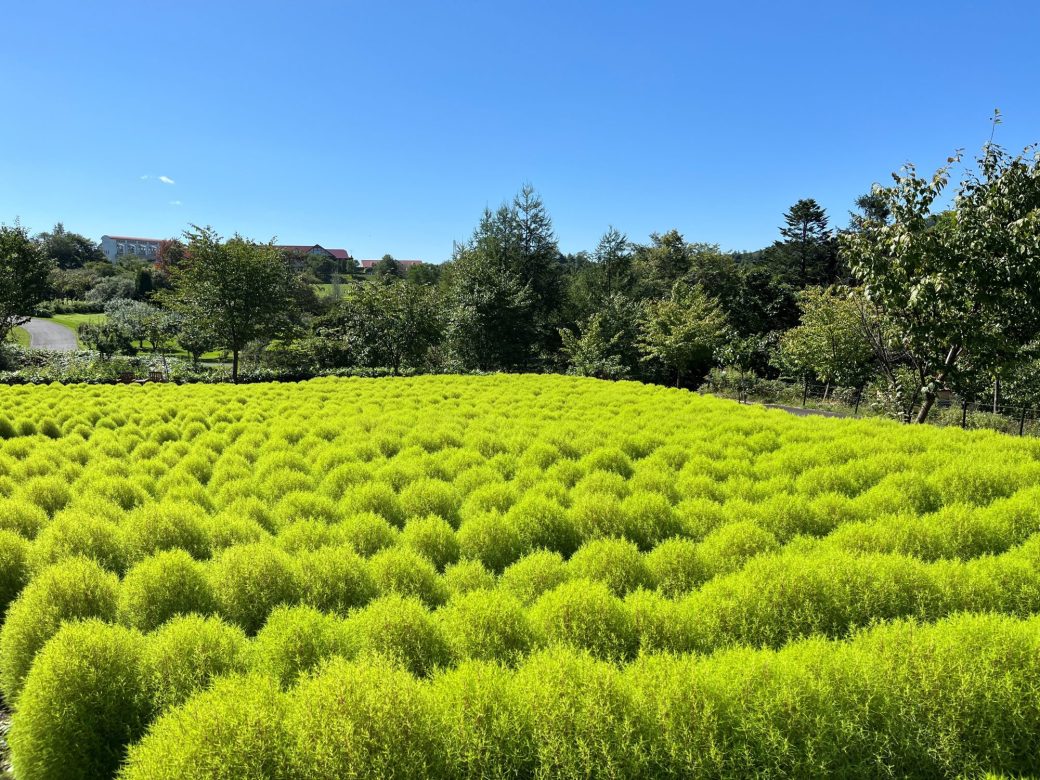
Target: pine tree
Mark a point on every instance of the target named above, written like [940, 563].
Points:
[808, 254]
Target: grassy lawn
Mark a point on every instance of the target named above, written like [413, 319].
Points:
[19, 336]
[73, 321]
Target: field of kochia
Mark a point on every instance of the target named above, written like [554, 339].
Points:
[508, 576]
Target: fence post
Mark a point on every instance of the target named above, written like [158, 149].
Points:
[1022, 422]
[859, 397]
[805, 392]
[964, 414]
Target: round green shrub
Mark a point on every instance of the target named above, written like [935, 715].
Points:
[298, 506]
[615, 562]
[491, 539]
[376, 497]
[307, 535]
[401, 629]
[295, 640]
[83, 702]
[731, 546]
[584, 719]
[250, 580]
[236, 729]
[368, 533]
[544, 523]
[494, 497]
[228, 530]
[486, 730]
[649, 518]
[405, 572]
[425, 497]
[186, 654]
[662, 625]
[14, 567]
[487, 626]
[167, 526]
[433, 538]
[534, 574]
[162, 586]
[21, 516]
[675, 566]
[598, 515]
[334, 579]
[584, 614]
[50, 494]
[364, 718]
[71, 590]
[466, 576]
[76, 534]
[601, 483]
[608, 459]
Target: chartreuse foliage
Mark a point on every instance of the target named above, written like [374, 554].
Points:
[508, 577]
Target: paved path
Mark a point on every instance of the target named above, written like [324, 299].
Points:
[45, 334]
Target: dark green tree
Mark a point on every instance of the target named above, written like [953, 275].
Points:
[490, 311]
[240, 289]
[69, 250]
[387, 268]
[808, 252]
[661, 263]
[24, 277]
[390, 325]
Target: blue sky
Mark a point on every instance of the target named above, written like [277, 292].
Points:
[388, 127]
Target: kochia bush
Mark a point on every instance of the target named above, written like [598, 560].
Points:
[84, 701]
[71, 590]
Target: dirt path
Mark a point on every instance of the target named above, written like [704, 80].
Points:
[798, 411]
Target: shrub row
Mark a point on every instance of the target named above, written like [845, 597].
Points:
[957, 698]
[598, 602]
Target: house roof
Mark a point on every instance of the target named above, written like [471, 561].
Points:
[132, 238]
[339, 254]
[402, 263]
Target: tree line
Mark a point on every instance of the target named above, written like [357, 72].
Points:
[916, 295]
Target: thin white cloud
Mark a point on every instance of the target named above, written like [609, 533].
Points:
[175, 203]
[145, 177]
[166, 180]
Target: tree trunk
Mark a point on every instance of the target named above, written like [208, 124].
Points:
[996, 394]
[930, 396]
[234, 365]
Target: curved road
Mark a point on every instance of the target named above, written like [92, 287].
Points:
[45, 334]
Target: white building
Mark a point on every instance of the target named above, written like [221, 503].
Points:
[115, 247]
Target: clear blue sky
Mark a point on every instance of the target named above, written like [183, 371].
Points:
[387, 127]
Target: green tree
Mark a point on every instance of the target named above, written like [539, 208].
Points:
[69, 250]
[829, 343]
[489, 312]
[593, 351]
[661, 263]
[682, 332]
[240, 289]
[131, 317]
[387, 268]
[808, 253]
[963, 288]
[24, 277]
[390, 325]
[106, 338]
[194, 337]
